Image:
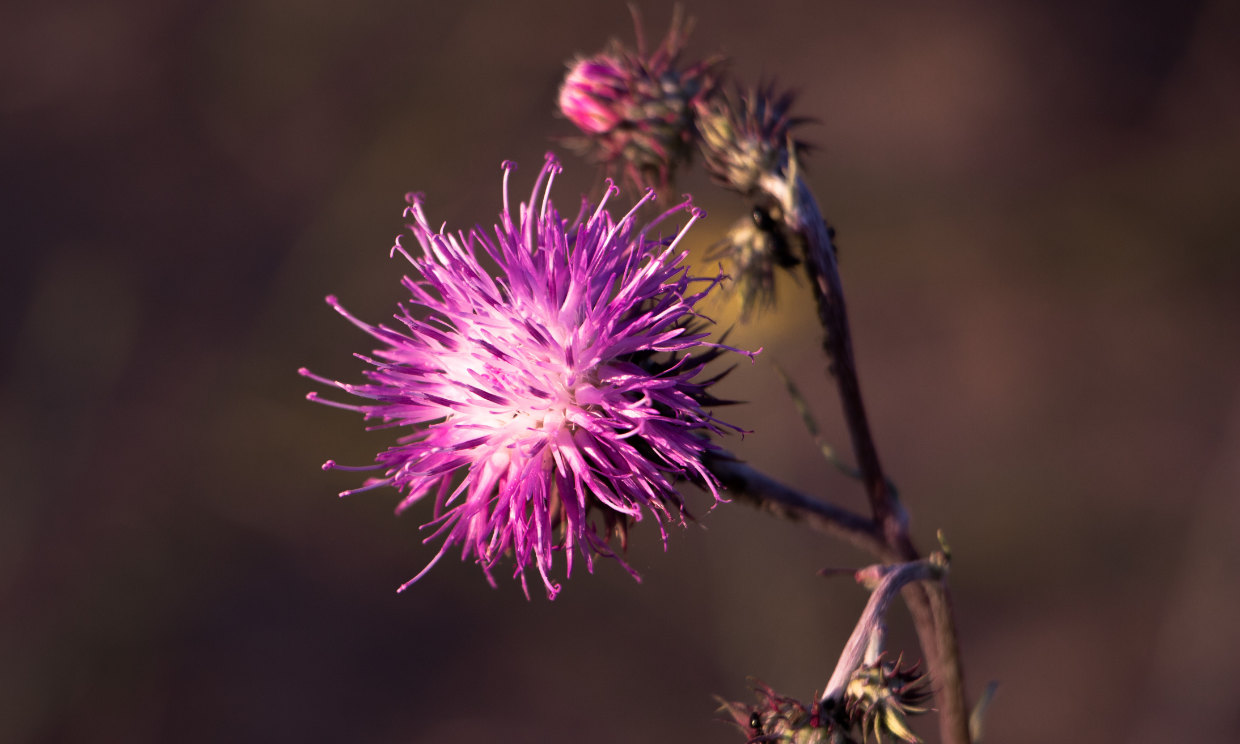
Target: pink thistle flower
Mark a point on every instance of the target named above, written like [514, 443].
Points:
[561, 389]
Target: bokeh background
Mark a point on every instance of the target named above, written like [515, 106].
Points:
[1038, 212]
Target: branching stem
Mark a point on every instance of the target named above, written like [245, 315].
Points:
[929, 603]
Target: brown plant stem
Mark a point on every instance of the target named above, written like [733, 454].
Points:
[949, 671]
[767, 494]
[929, 604]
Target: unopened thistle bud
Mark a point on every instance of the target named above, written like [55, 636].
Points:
[745, 136]
[591, 92]
[636, 111]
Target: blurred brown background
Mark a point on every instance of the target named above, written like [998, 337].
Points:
[1037, 207]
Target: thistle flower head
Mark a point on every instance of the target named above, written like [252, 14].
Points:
[637, 110]
[557, 392]
[746, 136]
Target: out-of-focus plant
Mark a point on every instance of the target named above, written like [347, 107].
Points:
[549, 407]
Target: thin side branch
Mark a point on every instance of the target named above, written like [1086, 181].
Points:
[769, 495]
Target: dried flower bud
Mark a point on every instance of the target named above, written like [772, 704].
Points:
[878, 700]
[637, 110]
[755, 245]
[777, 718]
[881, 696]
[745, 137]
